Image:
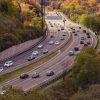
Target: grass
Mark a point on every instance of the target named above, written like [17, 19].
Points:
[54, 84]
[16, 73]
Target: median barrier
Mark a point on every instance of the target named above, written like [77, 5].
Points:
[29, 63]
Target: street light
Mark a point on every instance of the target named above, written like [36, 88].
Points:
[43, 12]
[64, 22]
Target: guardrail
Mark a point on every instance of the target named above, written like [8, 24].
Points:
[61, 74]
[19, 53]
[89, 30]
[29, 63]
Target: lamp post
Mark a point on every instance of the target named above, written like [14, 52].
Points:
[43, 12]
[64, 22]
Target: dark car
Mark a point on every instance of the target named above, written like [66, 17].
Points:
[35, 75]
[85, 44]
[76, 49]
[83, 38]
[49, 73]
[75, 34]
[87, 33]
[58, 29]
[88, 36]
[62, 38]
[79, 27]
[88, 42]
[31, 57]
[84, 31]
[51, 36]
[81, 42]
[24, 76]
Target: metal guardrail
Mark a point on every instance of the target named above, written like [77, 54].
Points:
[29, 63]
[60, 75]
[43, 38]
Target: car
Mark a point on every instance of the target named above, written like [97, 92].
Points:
[81, 42]
[62, 38]
[8, 63]
[57, 43]
[85, 44]
[64, 35]
[1, 69]
[83, 38]
[76, 49]
[31, 57]
[51, 42]
[51, 25]
[24, 76]
[84, 31]
[79, 27]
[45, 51]
[71, 53]
[73, 31]
[35, 53]
[78, 31]
[51, 36]
[87, 33]
[49, 73]
[88, 36]
[88, 42]
[62, 28]
[58, 29]
[35, 75]
[40, 46]
[75, 34]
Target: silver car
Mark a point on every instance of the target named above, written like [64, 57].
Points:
[8, 63]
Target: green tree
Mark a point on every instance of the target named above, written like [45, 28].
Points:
[13, 93]
[85, 69]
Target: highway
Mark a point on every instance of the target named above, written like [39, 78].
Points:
[21, 60]
[56, 64]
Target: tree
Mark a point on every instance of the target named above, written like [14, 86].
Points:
[85, 69]
[6, 6]
[14, 93]
[89, 94]
[92, 22]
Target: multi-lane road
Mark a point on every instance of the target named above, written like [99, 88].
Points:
[55, 23]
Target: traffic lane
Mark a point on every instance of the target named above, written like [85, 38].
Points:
[49, 47]
[22, 56]
[25, 82]
[43, 68]
[37, 57]
[28, 53]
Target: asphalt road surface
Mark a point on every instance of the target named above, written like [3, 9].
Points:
[59, 63]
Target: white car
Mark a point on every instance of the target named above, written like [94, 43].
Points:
[45, 51]
[8, 63]
[71, 53]
[40, 46]
[35, 53]
[1, 69]
[57, 43]
[51, 42]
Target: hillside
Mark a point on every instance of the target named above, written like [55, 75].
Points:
[17, 23]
